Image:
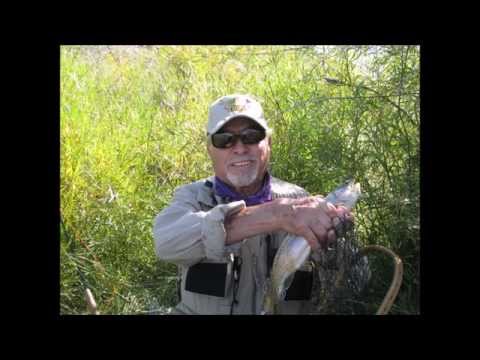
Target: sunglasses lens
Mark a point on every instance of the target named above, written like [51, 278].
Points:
[252, 136]
[248, 136]
[222, 140]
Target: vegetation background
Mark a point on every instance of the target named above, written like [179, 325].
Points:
[133, 129]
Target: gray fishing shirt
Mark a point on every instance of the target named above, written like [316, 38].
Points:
[191, 231]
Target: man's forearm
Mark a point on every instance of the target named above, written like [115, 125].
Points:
[254, 220]
[309, 217]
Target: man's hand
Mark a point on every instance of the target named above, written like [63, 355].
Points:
[312, 218]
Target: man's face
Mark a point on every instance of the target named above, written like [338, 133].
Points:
[241, 166]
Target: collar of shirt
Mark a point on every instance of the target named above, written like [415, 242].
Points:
[261, 196]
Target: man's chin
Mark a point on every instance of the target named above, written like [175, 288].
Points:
[241, 180]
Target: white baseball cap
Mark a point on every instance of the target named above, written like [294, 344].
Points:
[229, 107]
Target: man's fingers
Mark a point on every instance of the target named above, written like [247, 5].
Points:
[331, 237]
[320, 232]
[342, 211]
[319, 236]
[311, 239]
[323, 222]
[336, 221]
[349, 217]
[331, 209]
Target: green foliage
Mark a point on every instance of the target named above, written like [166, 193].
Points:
[132, 130]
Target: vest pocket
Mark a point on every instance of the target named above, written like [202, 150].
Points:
[208, 288]
[301, 287]
[208, 279]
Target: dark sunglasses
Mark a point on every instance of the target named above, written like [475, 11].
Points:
[247, 136]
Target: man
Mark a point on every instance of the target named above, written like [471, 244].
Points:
[223, 231]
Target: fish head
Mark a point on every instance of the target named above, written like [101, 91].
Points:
[346, 194]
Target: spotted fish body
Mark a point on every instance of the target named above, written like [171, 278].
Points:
[295, 250]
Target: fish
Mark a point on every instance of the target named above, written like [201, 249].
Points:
[295, 250]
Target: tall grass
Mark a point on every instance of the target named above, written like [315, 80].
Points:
[132, 130]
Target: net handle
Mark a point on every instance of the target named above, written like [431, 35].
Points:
[397, 279]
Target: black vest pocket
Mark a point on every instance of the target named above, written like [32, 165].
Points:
[207, 279]
[301, 287]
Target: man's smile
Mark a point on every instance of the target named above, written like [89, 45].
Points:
[242, 164]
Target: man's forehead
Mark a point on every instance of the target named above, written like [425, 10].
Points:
[239, 123]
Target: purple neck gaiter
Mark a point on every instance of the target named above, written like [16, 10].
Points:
[263, 195]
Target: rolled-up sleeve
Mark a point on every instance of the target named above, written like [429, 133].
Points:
[184, 235]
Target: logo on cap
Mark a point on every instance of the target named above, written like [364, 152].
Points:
[237, 104]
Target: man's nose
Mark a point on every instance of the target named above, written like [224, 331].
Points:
[239, 147]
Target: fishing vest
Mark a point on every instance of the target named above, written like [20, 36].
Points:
[221, 281]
